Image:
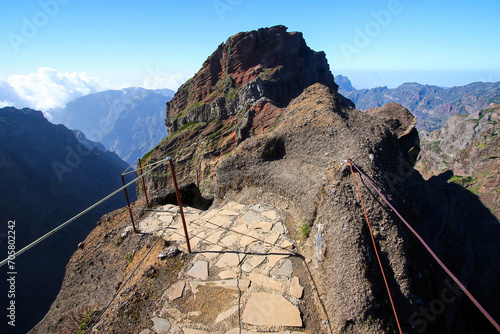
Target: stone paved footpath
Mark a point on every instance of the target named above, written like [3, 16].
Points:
[241, 279]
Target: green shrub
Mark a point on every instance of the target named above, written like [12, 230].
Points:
[304, 230]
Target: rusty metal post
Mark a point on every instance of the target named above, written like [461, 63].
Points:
[128, 204]
[143, 184]
[174, 178]
[197, 179]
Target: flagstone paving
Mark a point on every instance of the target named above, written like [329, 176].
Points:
[241, 278]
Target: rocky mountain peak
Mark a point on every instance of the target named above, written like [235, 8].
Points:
[240, 91]
[345, 85]
[404, 125]
[268, 65]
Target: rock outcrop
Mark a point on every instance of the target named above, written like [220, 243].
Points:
[267, 66]
[240, 91]
[403, 123]
[301, 162]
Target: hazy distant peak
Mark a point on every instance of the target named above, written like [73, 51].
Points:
[344, 83]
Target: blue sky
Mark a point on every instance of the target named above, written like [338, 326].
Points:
[58, 49]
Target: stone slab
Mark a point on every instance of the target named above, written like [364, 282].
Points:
[271, 214]
[280, 228]
[264, 226]
[221, 220]
[150, 225]
[192, 217]
[266, 282]
[251, 217]
[214, 237]
[257, 248]
[161, 325]
[272, 237]
[265, 309]
[252, 262]
[242, 228]
[296, 290]
[209, 214]
[228, 274]
[177, 235]
[228, 212]
[233, 284]
[226, 314]
[285, 269]
[213, 252]
[199, 270]
[286, 245]
[230, 239]
[229, 260]
[166, 218]
[248, 238]
[175, 291]
[186, 330]
[234, 206]
[277, 254]
[193, 242]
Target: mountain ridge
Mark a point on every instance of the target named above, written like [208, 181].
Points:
[431, 105]
[128, 121]
[49, 176]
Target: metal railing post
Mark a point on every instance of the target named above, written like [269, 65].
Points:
[174, 178]
[128, 205]
[197, 179]
[143, 184]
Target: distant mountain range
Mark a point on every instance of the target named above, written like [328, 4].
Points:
[129, 122]
[48, 174]
[431, 105]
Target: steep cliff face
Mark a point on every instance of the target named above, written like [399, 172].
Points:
[47, 176]
[468, 146]
[240, 91]
[267, 63]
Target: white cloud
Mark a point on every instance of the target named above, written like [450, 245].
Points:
[48, 88]
[5, 103]
[156, 79]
